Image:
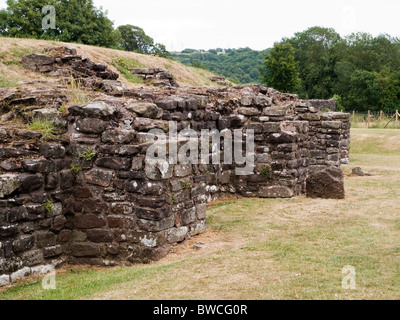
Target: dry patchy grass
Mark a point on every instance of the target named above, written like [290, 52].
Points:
[272, 248]
[12, 50]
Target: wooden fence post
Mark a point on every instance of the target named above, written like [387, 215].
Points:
[369, 118]
[381, 115]
[397, 118]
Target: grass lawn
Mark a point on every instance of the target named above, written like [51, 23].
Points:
[272, 249]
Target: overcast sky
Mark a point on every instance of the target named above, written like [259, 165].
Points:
[208, 24]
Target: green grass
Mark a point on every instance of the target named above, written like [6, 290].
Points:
[7, 83]
[44, 126]
[124, 64]
[88, 154]
[271, 248]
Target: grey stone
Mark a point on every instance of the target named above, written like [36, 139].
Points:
[156, 226]
[91, 125]
[277, 111]
[99, 177]
[152, 214]
[55, 210]
[271, 127]
[8, 184]
[32, 257]
[85, 250]
[275, 192]
[178, 234]
[30, 182]
[159, 171]
[201, 211]
[4, 280]
[359, 172]
[145, 124]
[52, 251]
[249, 111]
[46, 239]
[331, 124]
[24, 243]
[9, 166]
[146, 110]
[116, 163]
[188, 216]
[183, 170]
[39, 165]
[327, 183]
[117, 136]
[93, 110]
[36, 62]
[20, 274]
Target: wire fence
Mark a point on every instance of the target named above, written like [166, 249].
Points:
[375, 119]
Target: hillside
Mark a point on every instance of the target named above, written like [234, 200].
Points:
[13, 49]
[238, 65]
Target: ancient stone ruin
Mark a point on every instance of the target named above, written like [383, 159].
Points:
[86, 194]
[157, 76]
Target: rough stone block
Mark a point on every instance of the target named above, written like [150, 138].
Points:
[46, 239]
[99, 177]
[145, 110]
[39, 165]
[93, 110]
[327, 184]
[4, 280]
[150, 214]
[275, 192]
[20, 274]
[188, 216]
[23, 244]
[99, 235]
[8, 184]
[90, 125]
[155, 226]
[176, 235]
[30, 182]
[89, 221]
[52, 150]
[53, 251]
[85, 250]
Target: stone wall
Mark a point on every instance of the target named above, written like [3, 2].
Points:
[88, 196]
[324, 105]
[157, 76]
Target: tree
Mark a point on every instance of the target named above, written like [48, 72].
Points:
[76, 21]
[281, 69]
[364, 91]
[316, 51]
[135, 39]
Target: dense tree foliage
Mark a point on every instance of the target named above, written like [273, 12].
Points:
[281, 69]
[76, 21]
[364, 71]
[239, 65]
[135, 39]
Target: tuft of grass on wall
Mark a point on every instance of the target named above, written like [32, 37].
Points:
[124, 64]
[45, 126]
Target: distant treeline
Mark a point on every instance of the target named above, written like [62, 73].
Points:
[238, 65]
[361, 70]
